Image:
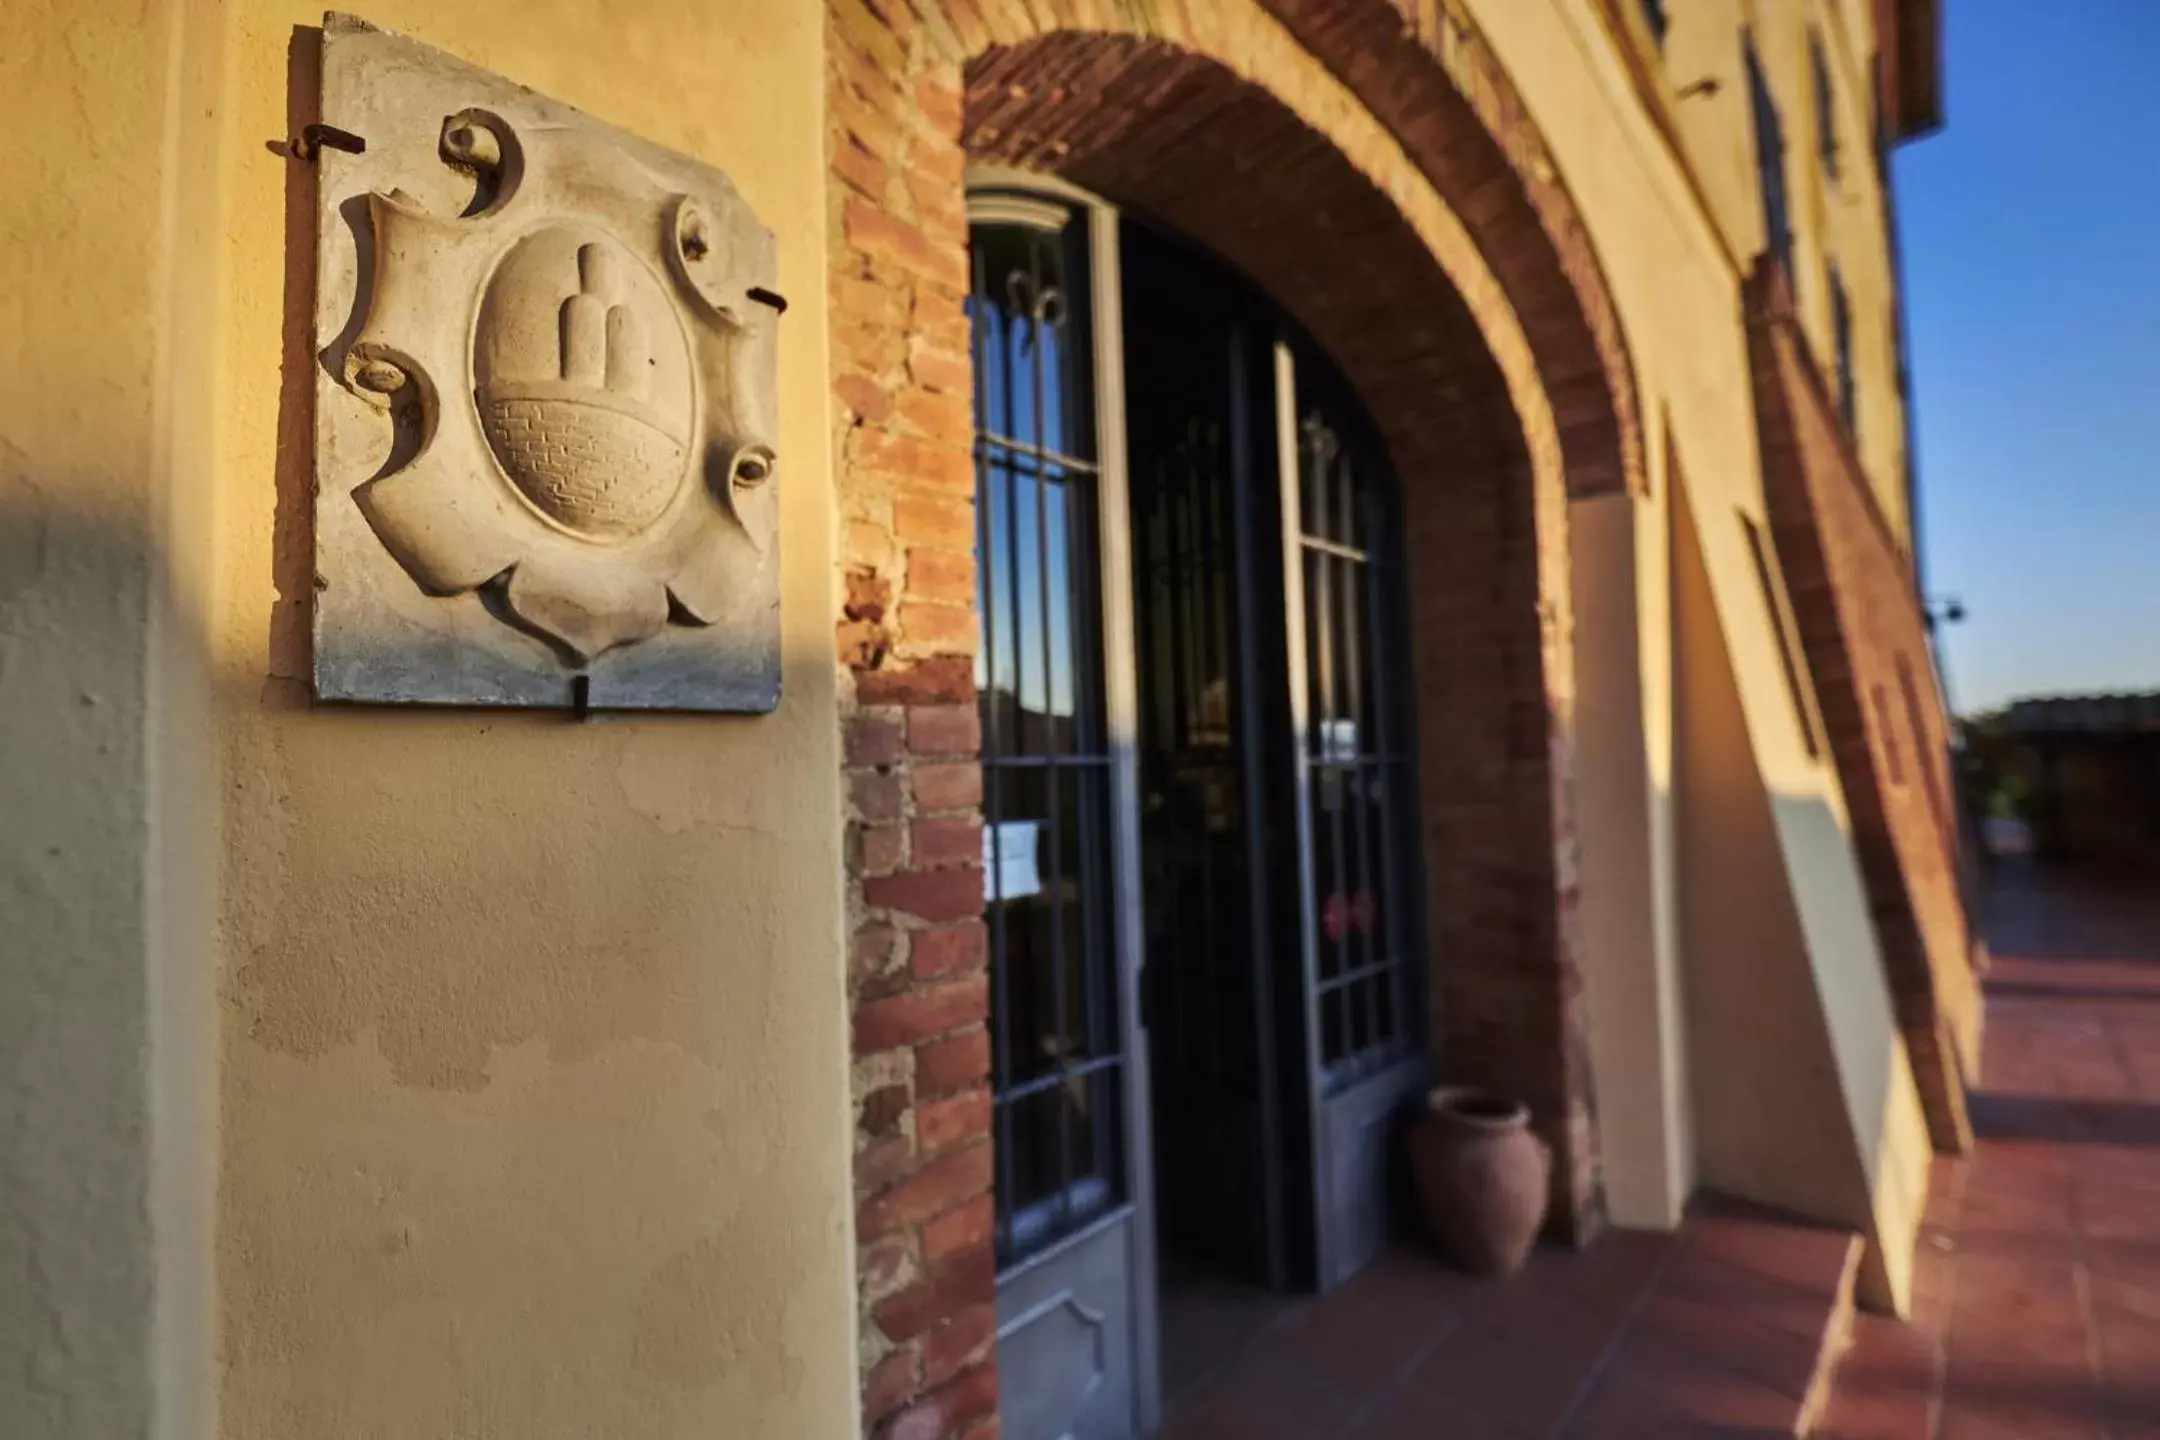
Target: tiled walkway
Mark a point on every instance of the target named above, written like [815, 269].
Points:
[1715, 1331]
[2039, 1282]
[2037, 1311]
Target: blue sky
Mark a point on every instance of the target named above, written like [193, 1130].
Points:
[2032, 256]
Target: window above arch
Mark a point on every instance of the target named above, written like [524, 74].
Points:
[1826, 131]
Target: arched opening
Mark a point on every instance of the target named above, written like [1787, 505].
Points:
[1257, 922]
[1220, 160]
[1494, 390]
[1190, 583]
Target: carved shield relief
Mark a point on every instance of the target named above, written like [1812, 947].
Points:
[545, 463]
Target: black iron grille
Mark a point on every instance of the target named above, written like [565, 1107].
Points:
[1056, 1054]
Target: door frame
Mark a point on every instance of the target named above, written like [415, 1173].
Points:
[1295, 661]
[1369, 1104]
[1340, 1119]
[996, 193]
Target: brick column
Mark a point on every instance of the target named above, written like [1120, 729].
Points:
[906, 640]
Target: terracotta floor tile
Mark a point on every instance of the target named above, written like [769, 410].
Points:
[1411, 1351]
[1414, 1284]
[1229, 1419]
[1946, 1189]
[1735, 1340]
[1701, 1387]
[2008, 1356]
[1887, 1384]
[1611, 1274]
[1794, 1309]
[2012, 1247]
[2129, 1363]
[1207, 1323]
[1370, 1331]
[1623, 1412]
[2044, 1260]
[1416, 1414]
[2117, 1287]
[1934, 1285]
[1524, 1376]
[2130, 1165]
[1993, 1210]
[1263, 1400]
[2018, 1413]
[2112, 1209]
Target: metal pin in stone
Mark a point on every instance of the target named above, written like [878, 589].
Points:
[316, 137]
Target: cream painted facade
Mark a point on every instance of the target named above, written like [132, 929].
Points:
[1701, 897]
[1839, 215]
[415, 1073]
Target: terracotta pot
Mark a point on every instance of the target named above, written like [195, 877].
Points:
[1483, 1179]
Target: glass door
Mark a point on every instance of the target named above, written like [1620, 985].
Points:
[1284, 939]
[1076, 1345]
[1199, 422]
[1189, 672]
[1361, 923]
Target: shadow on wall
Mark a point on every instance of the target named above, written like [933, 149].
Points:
[78, 1101]
[1804, 1098]
[479, 871]
[1860, 1013]
[488, 981]
[1802, 1095]
[1794, 1035]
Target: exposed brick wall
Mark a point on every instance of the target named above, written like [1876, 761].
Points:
[906, 639]
[1867, 651]
[1495, 383]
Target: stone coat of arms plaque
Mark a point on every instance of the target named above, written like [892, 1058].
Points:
[544, 431]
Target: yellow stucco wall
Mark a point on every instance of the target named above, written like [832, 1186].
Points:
[1835, 219]
[1807, 1100]
[534, 1060]
[1624, 817]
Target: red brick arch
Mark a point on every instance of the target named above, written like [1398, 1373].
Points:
[1180, 138]
[1460, 319]
[1428, 75]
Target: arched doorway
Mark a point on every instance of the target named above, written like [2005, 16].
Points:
[1205, 920]
[1271, 1165]
[1324, 214]
[1216, 123]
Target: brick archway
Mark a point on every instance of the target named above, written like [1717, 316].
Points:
[1226, 162]
[1466, 336]
[1424, 71]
